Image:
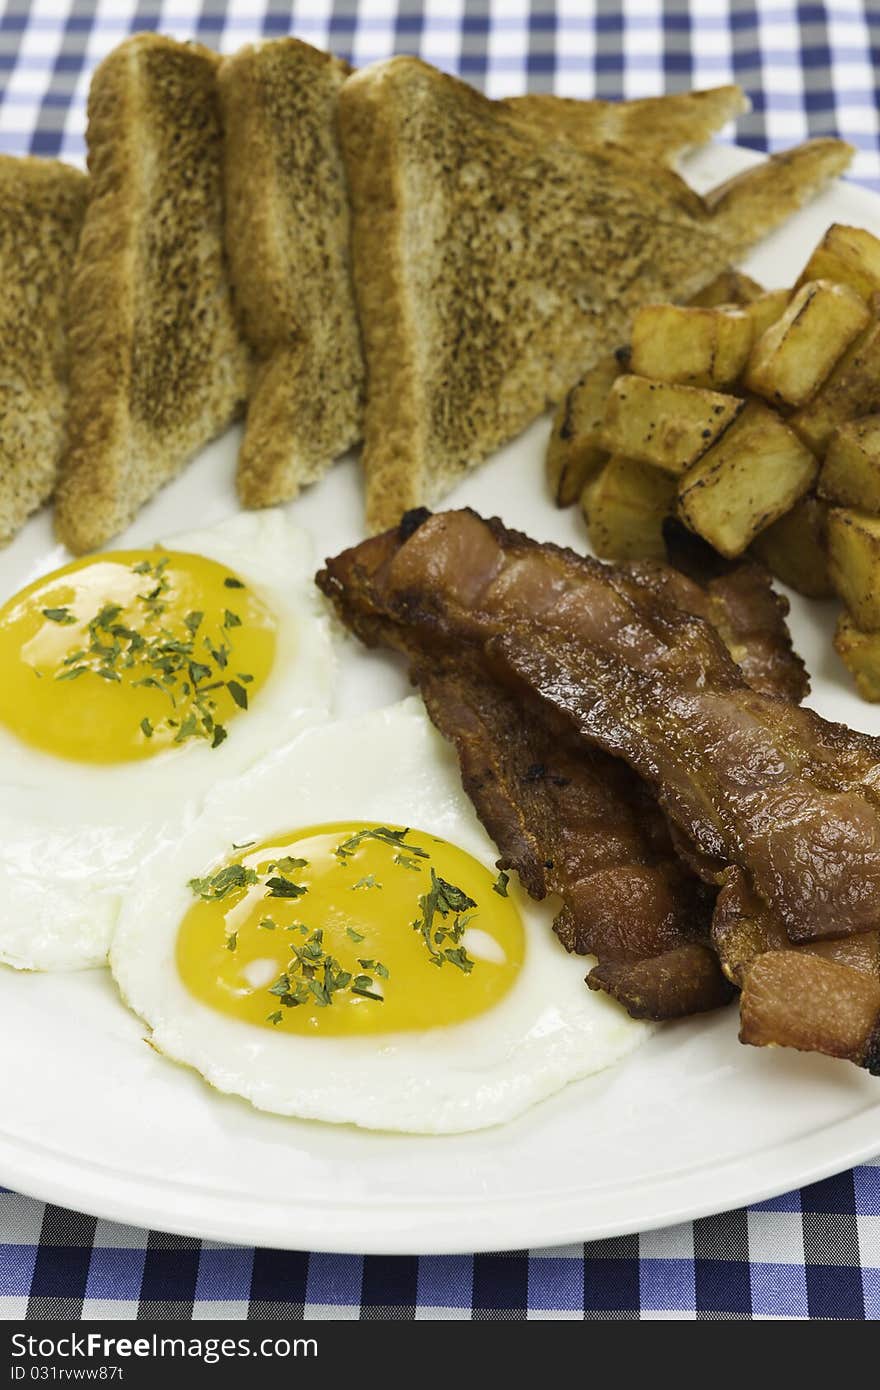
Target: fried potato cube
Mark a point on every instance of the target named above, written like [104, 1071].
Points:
[850, 391]
[664, 425]
[574, 451]
[766, 309]
[850, 475]
[854, 563]
[793, 549]
[860, 653]
[848, 255]
[698, 347]
[752, 476]
[625, 507]
[793, 357]
[730, 287]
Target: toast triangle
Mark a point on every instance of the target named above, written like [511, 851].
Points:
[41, 210]
[287, 236]
[493, 267]
[157, 364]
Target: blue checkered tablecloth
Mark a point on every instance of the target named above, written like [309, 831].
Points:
[809, 69]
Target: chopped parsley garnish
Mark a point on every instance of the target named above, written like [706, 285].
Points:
[376, 966]
[224, 882]
[59, 615]
[369, 881]
[500, 884]
[281, 887]
[397, 838]
[406, 861]
[232, 583]
[238, 693]
[314, 977]
[159, 658]
[445, 900]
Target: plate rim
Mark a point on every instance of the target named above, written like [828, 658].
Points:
[498, 1227]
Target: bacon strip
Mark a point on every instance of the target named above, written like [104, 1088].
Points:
[570, 820]
[576, 823]
[808, 787]
[749, 779]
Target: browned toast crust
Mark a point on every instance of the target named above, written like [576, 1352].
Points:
[287, 236]
[158, 367]
[654, 127]
[41, 209]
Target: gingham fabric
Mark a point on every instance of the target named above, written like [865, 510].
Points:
[809, 70]
[813, 1254]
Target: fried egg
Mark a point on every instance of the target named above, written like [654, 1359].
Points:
[332, 940]
[133, 681]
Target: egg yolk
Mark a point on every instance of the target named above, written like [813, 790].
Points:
[121, 656]
[350, 929]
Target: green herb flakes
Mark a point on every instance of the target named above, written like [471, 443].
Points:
[396, 838]
[445, 900]
[280, 887]
[500, 884]
[224, 882]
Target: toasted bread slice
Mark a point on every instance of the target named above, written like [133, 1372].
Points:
[157, 364]
[656, 127]
[287, 235]
[288, 241]
[41, 210]
[493, 267]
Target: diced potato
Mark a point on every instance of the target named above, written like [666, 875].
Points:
[860, 652]
[854, 563]
[766, 309]
[698, 347]
[752, 476]
[625, 507]
[664, 425]
[848, 255]
[793, 549]
[793, 357]
[730, 287]
[574, 452]
[851, 390]
[850, 475]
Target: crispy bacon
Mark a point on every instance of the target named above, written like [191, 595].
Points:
[576, 823]
[795, 1000]
[790, 998]
[772, 802]
[749, 616]
[745, 777]
[568, 819]
[749, 779]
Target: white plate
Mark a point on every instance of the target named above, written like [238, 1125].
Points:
[91, 1118]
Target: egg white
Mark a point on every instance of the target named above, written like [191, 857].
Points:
[390, 766]
[73, 836]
